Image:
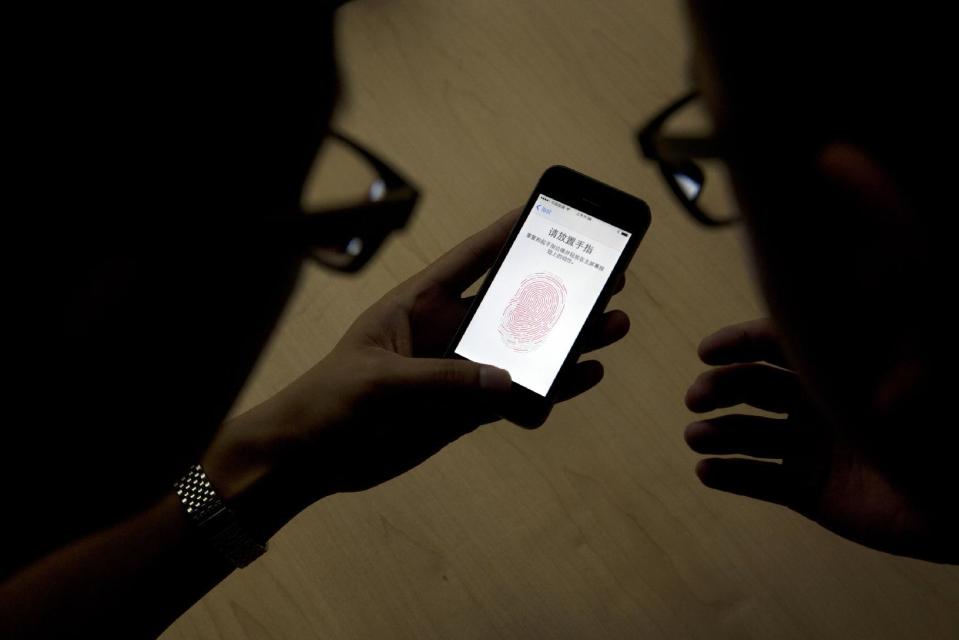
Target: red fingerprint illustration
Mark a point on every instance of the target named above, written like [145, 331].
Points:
[532, 311]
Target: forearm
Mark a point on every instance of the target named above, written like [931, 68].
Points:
[135, 578]
[130, 580]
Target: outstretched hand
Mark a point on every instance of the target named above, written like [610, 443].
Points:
[823, 471]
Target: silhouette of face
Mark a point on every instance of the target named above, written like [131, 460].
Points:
[844, 258]
[142, 152]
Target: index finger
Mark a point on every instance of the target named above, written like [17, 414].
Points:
[753, 341]
[460, 267]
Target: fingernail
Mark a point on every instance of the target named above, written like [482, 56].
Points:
[694, 431]
[703, 468]
[692, 397]
[495, 379]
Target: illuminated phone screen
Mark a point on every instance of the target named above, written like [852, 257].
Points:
[542, 294]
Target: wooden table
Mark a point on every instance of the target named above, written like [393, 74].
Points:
[593, 526]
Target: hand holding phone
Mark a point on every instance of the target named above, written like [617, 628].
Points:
[336, 427]
[555, 274]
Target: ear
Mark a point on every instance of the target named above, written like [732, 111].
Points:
[864, 182]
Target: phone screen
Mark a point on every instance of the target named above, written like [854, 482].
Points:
[543, 293]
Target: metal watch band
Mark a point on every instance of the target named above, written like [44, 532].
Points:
[215, 520]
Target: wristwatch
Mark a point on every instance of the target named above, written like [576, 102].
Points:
[215, 520]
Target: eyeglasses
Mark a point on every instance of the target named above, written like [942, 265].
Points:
[377, 202]
[691, 164]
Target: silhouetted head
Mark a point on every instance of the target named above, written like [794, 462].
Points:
[835, 128]
[148, 151]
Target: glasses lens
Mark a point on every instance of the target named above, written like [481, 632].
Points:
[689, 178]
[703, 181]
[339, 255]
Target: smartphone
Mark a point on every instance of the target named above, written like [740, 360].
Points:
[553, 277]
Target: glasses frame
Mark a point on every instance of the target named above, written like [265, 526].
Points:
[371, 220]
[668, 152]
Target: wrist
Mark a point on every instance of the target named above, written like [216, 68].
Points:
[215, 520]
[249, 466]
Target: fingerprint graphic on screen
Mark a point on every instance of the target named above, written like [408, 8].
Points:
[532, 312]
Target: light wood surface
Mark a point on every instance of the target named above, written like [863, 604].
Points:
[593, 526]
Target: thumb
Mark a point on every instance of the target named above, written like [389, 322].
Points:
[450, 375]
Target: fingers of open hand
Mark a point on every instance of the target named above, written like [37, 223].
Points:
[752, 341]
[741, 434]
[768, 481]
[761, 386]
